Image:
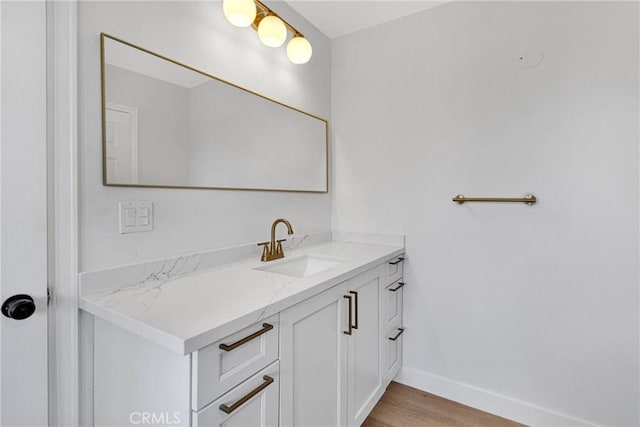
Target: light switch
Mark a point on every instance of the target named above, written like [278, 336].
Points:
[144, 220]
[130, 217]
[135, 217]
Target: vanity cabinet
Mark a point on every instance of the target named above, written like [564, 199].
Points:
[336, 357]
[323, 361]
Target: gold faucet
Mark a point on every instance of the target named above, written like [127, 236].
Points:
[273, 249]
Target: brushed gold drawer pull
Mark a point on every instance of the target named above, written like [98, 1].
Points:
[400, 285]
[348, 332]
[355, 325]
[228, 347]
[401, 330]
[397, 261]
[229, 409]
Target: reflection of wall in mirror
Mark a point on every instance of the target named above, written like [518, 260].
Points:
[234, 144]
[213, 134]
[163, 156]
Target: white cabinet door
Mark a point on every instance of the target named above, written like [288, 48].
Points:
[393, 354]
[313, 351]
[365, 384]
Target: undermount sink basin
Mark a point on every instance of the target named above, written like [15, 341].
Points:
[301, 266]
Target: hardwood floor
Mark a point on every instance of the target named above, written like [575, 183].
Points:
[403, 406]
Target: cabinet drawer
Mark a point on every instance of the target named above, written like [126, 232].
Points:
[226, 363]
[252, 403]
[393, 304]
[393, 353]
[394, 269]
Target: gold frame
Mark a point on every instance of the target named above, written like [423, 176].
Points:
[104, 125]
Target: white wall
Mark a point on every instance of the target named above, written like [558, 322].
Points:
[237, 139]
[524, 306]
[195, 33]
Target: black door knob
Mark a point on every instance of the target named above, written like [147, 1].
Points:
[18, 307]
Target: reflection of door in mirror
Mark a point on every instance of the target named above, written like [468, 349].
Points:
[121, 128]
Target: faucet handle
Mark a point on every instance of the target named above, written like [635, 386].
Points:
[279, 249]
[265, 250]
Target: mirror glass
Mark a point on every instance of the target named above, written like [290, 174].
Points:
[166, 124]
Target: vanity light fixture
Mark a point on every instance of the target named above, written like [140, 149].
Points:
[299, 49]
[272, 30]
[240, 13]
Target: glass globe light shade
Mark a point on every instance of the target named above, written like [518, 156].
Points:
[299, 50]
[272, 31]
[240, 13]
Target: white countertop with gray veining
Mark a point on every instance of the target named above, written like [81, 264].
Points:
[195, 309]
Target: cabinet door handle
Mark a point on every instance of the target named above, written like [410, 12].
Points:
[229, 409]
[348, 332]
[400, 285]
[265, 328]
[397, 261]
[355, 325]
[401, 330]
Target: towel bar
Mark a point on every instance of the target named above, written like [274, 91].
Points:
[529, 199]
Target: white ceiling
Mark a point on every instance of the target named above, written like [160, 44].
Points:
[336, 18]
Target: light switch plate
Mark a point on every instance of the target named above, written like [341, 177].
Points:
[135, 216]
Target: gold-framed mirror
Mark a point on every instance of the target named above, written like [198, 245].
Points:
[166, 124]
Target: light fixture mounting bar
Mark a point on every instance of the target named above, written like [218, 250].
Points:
[264, 8]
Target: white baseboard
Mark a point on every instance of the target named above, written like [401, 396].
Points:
[484, 400]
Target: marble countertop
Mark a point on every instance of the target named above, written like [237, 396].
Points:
[196, 309]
